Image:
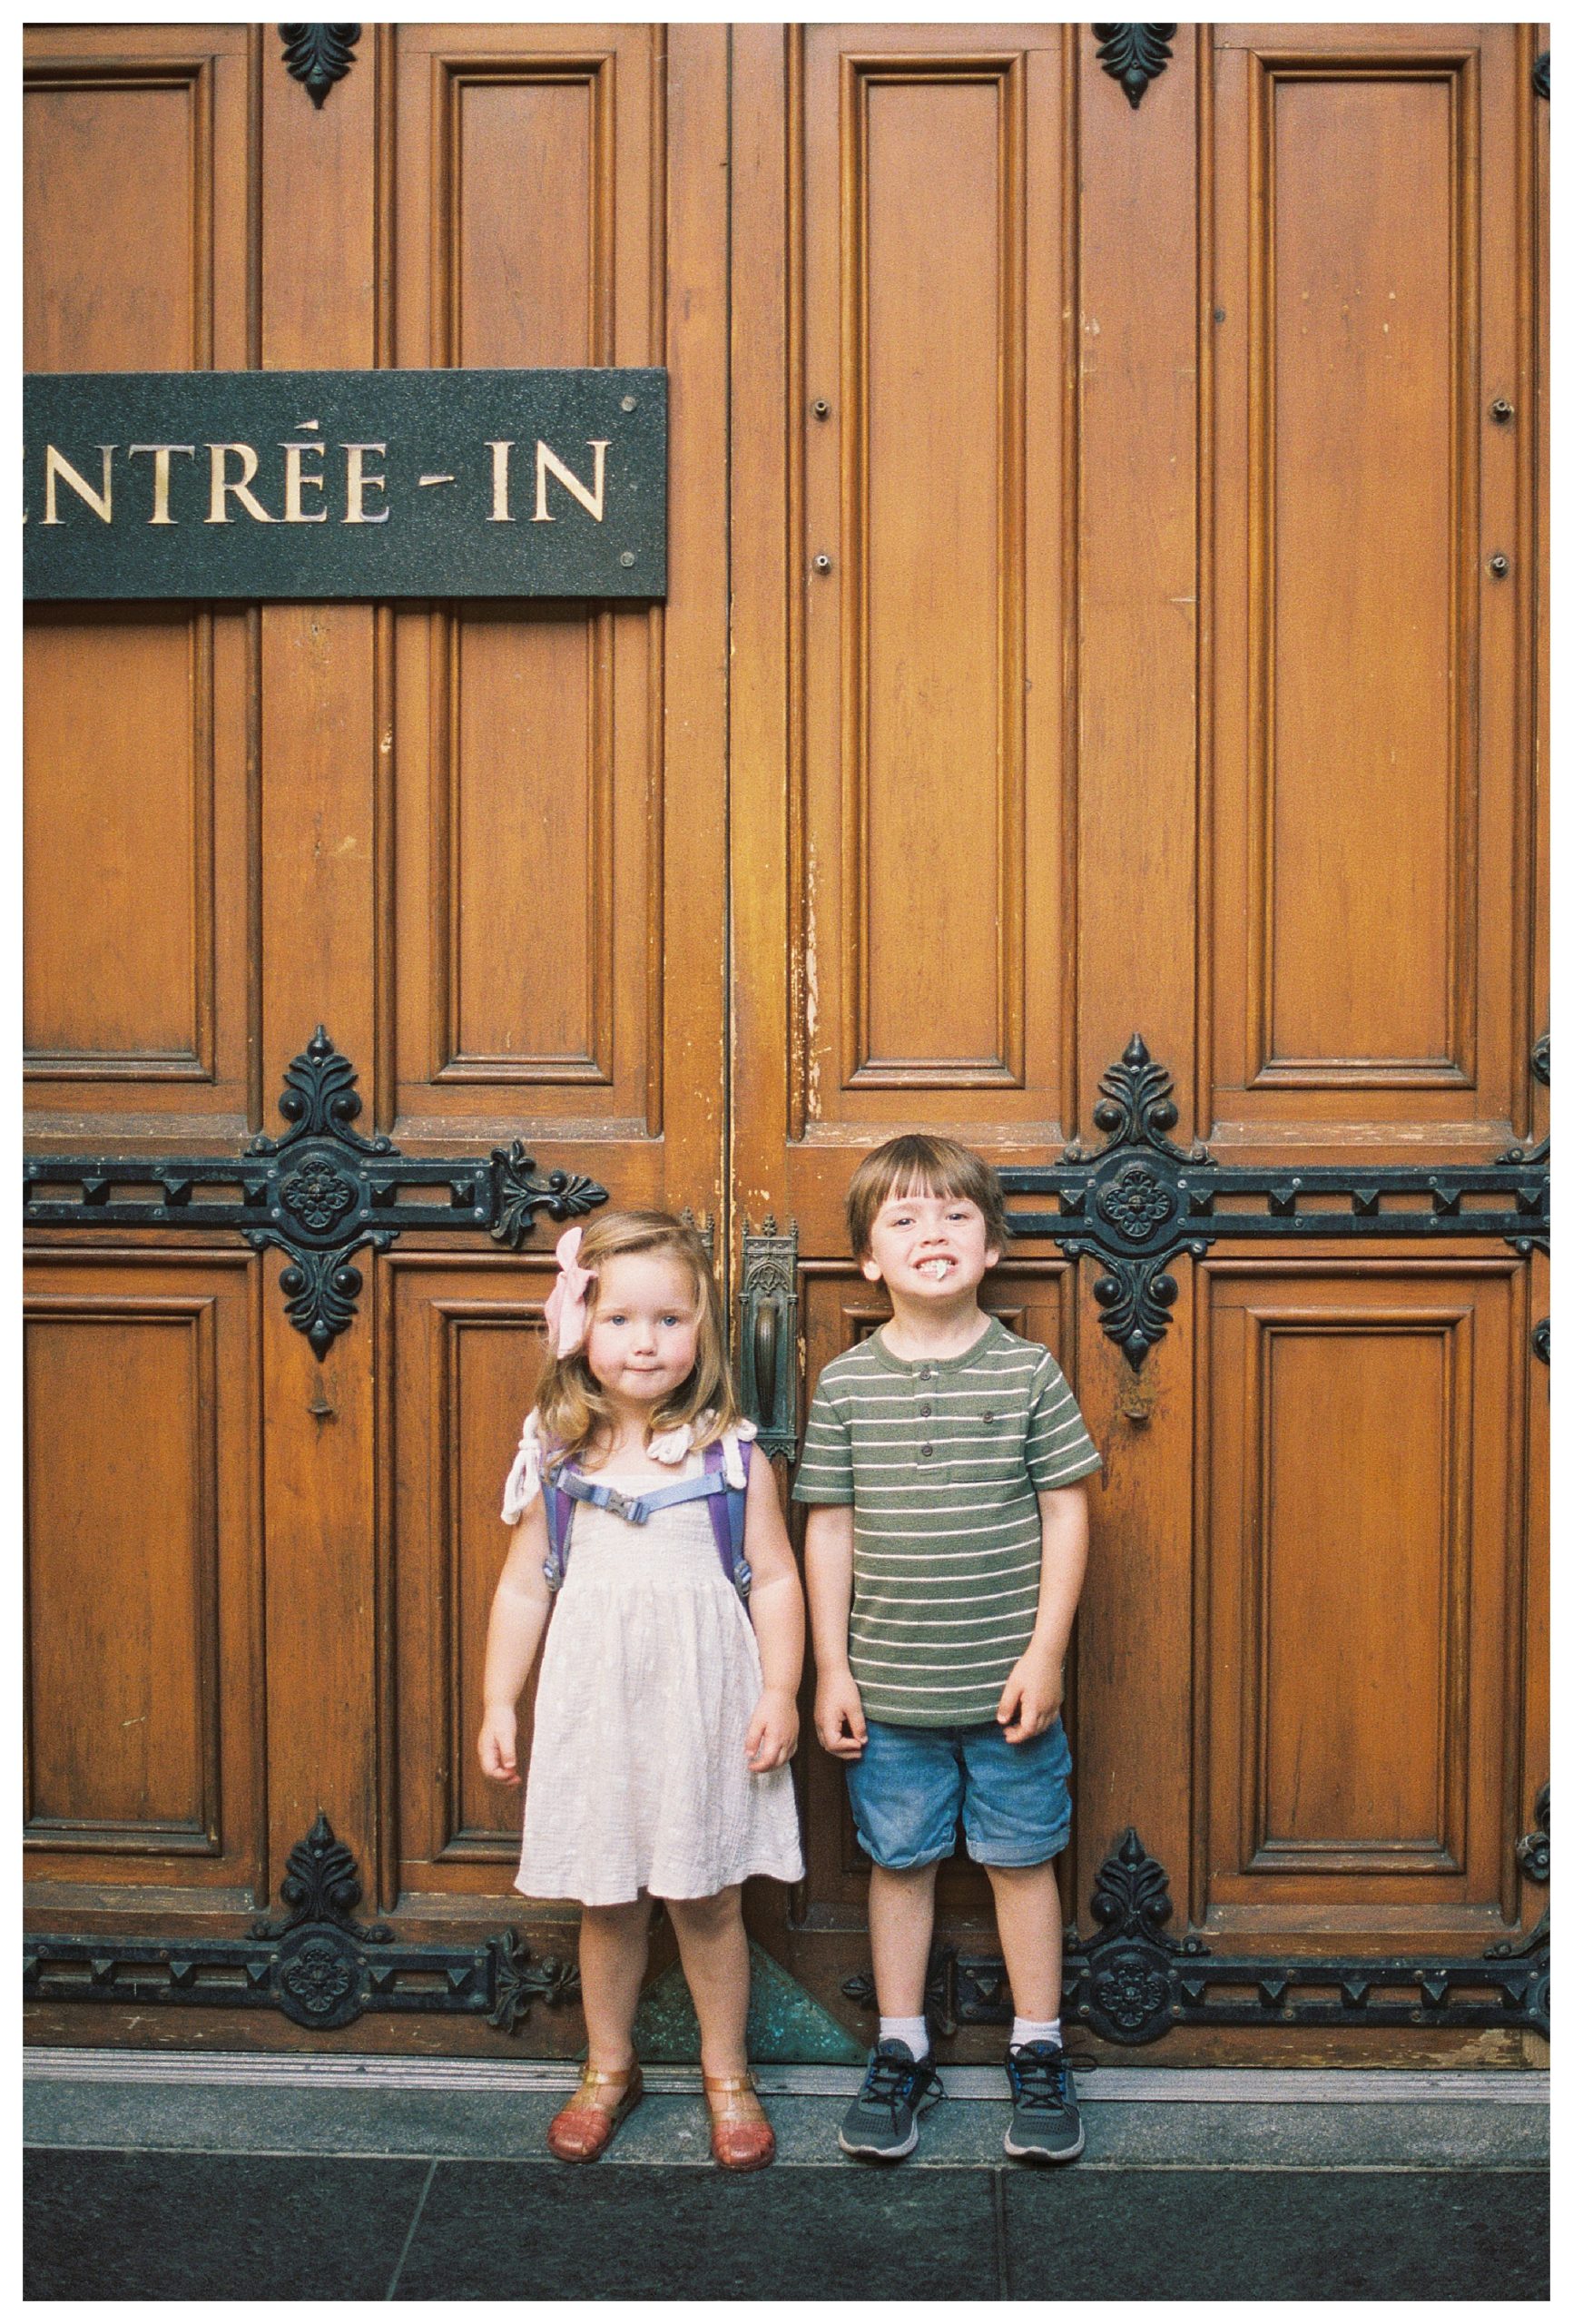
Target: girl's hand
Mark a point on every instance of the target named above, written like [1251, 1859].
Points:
[839, 1716]
[772, 1731]
[1031, 1702]
[497, 1744]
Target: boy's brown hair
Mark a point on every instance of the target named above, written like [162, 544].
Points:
[919, 1165]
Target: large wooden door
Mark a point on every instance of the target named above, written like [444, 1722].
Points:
[1107, 600]
[1136, 635]
[483, 847]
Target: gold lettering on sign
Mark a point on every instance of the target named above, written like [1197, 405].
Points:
[293, 481]
[221, 486]
[499, 452]
[55, 465]
[160, 475]
[590, 498]
[359, 484]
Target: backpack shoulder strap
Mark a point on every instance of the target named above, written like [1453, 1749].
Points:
[558, 1505]
[728, 1515]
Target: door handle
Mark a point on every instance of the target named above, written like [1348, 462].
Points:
[764, 1329]
[769, 1338]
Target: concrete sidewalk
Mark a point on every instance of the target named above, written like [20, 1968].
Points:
[165, 2175]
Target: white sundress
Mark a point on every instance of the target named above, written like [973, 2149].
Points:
[638, 1779]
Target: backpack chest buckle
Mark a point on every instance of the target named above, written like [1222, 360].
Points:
[633, 1510]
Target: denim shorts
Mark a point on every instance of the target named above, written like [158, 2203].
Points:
[912, 1783]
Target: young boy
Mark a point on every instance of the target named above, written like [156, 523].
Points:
[947, 1545]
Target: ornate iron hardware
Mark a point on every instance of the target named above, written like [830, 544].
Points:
[318, 55]
[1540, 75]
[1134, 55]
[1540, 1067]
[1139, 1201]
[1132, 1983]
[1534, 1855]
[318, 1194]
[318, 1965]
[770, 1335]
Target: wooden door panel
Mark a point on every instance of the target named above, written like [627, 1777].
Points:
[925, 863]
[526, 797]
[120, 793]
[143, 1565]
[465, 1346]
[532, 889]
[1369, 802]
[139, 859]
[1362, 1558]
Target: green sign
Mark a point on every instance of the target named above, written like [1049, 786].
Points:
[344, 484]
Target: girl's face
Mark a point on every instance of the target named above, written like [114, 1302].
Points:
[643, 1335]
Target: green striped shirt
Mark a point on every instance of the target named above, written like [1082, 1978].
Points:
[942, 1461]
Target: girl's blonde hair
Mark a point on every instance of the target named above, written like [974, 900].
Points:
[573, 1405]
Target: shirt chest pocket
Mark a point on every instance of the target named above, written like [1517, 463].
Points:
[987, 1429]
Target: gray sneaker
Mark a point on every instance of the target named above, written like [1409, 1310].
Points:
[883, 2120]
[1045, 2123]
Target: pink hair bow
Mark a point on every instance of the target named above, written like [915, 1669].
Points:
[566, 1306]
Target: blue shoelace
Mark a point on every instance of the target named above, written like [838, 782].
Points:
[1037, 2076]
[892, 2082]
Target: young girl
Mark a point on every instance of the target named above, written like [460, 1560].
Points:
[664, 1716]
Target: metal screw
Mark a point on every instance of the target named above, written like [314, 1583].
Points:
[1499, 564]
[626, 558]
[629, 402]
[822, 563]
[822, 408]
[1502, 411]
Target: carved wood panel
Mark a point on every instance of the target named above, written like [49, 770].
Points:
[1364, 1551]
[1370, 659]
[545, 836]
[143, 1690]
[140, 862]
[928, 901]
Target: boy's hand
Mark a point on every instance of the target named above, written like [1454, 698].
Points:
[497, 1744]
[839, 1716]
[1031, 1702]
[772, 1731]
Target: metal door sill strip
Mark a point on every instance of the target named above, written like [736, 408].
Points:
[1111, 2085]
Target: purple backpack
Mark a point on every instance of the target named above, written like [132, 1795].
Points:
[562, 1485]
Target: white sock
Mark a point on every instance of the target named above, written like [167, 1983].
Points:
[913, 2031]
[1033, 2029]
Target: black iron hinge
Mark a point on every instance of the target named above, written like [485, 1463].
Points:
[1139, 1202]
[318, 1194]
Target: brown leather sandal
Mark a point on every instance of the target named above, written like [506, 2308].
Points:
[741, 2138]
[582, 2129]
